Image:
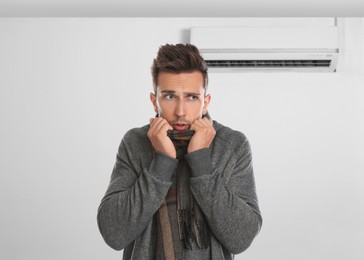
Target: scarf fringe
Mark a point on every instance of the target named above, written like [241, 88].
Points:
[192, 230]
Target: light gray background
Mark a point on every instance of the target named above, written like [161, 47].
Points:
[71, 87]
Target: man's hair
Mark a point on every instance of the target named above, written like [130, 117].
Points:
[177, 59]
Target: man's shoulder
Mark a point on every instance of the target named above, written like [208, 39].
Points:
[138, 131]
[136, 134]
[228, 134]
[231, 138]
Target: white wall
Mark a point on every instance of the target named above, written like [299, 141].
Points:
[70, 88]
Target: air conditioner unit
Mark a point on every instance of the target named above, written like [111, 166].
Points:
[303, 49]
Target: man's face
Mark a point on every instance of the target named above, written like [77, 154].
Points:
[180, 98]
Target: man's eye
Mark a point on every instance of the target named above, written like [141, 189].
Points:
[168, 97]
[192, 97]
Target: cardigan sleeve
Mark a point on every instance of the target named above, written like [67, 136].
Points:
[230, 206]
[132, 197]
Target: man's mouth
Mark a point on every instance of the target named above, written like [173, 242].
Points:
[181, 127]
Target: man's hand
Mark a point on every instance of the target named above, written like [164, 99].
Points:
[157, 134]
[204, 134]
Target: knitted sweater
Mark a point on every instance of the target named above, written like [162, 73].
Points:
[222, 183]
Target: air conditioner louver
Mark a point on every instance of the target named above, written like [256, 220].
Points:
[268, 63]
[302, 49]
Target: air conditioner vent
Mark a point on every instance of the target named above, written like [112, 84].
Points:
[268, 48]
[268, 63]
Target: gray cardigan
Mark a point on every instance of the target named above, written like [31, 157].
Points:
[222, 183]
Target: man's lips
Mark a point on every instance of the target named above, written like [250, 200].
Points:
[181, 127]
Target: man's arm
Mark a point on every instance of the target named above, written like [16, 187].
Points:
[231, 207]
[133, 197]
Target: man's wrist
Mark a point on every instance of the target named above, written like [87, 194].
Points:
[163, 166]
[200, 162]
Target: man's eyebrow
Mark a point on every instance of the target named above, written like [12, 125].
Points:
[185, 93]
[168, 91]
[192, 94]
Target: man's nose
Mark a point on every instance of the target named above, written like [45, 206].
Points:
[181, 108]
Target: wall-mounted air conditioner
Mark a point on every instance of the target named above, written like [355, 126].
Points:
[304, 49]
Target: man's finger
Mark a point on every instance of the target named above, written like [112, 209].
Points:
[163, 126]
[151, 120]
[199, 122]
[207, 121]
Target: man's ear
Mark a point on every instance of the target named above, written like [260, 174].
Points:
[206, 103]
[153, 99]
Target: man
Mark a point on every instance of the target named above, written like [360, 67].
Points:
[182, 186]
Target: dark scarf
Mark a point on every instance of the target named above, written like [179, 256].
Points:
[192, 226]
[191, 222]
